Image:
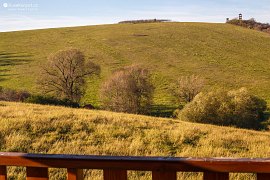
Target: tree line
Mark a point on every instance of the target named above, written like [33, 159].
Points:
[251, 24]
[144, 21]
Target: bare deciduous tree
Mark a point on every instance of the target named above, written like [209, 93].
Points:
[64, 74]
[188, 87]
[128, 90]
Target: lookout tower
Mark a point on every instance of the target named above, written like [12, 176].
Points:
[240, 17]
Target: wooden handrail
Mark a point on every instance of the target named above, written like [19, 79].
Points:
[162, 167]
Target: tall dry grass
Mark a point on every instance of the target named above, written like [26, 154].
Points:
[48, 129]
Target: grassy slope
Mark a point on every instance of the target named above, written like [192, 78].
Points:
[225, 55]
[48, 129]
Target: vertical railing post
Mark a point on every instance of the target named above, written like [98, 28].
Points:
[75, 174]
[209, 175]
[110, 174]
[37, 173]
[3, 173]
[160, 175]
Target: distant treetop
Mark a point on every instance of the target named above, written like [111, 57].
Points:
[251, 24]
[144, 21]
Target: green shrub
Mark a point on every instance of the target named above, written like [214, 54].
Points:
[229, 108]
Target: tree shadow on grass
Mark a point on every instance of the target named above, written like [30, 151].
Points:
[12, 59]
[162, 110]
[2, 76]
[9, 59]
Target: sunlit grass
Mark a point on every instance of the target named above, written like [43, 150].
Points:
[223, 54]
[58, 130]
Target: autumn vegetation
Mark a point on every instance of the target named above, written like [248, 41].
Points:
[187, 87]
[251, 24]
[35, 128]
[128, 90]
[236, 108]
[64, 74]
[13, 95]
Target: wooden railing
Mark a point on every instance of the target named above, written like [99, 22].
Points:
[116, 167]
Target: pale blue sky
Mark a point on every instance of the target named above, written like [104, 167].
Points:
[36, 14]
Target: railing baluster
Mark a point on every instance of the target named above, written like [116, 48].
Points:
[3, 173]
[116, 167]
[162, 175]
[110, 174]
[37, 173]
[209, 175]
[263, 176]
[75, 174]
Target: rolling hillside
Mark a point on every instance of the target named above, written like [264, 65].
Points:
[57, 130]
[225, 55]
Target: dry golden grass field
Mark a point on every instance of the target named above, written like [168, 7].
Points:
[50, 129]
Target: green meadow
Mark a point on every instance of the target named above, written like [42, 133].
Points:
[225, 55]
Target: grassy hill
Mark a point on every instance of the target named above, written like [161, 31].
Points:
[225, 55]
[48, 129]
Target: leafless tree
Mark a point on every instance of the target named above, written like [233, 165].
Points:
[64, 74]
[188, 87]
[128, 90]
